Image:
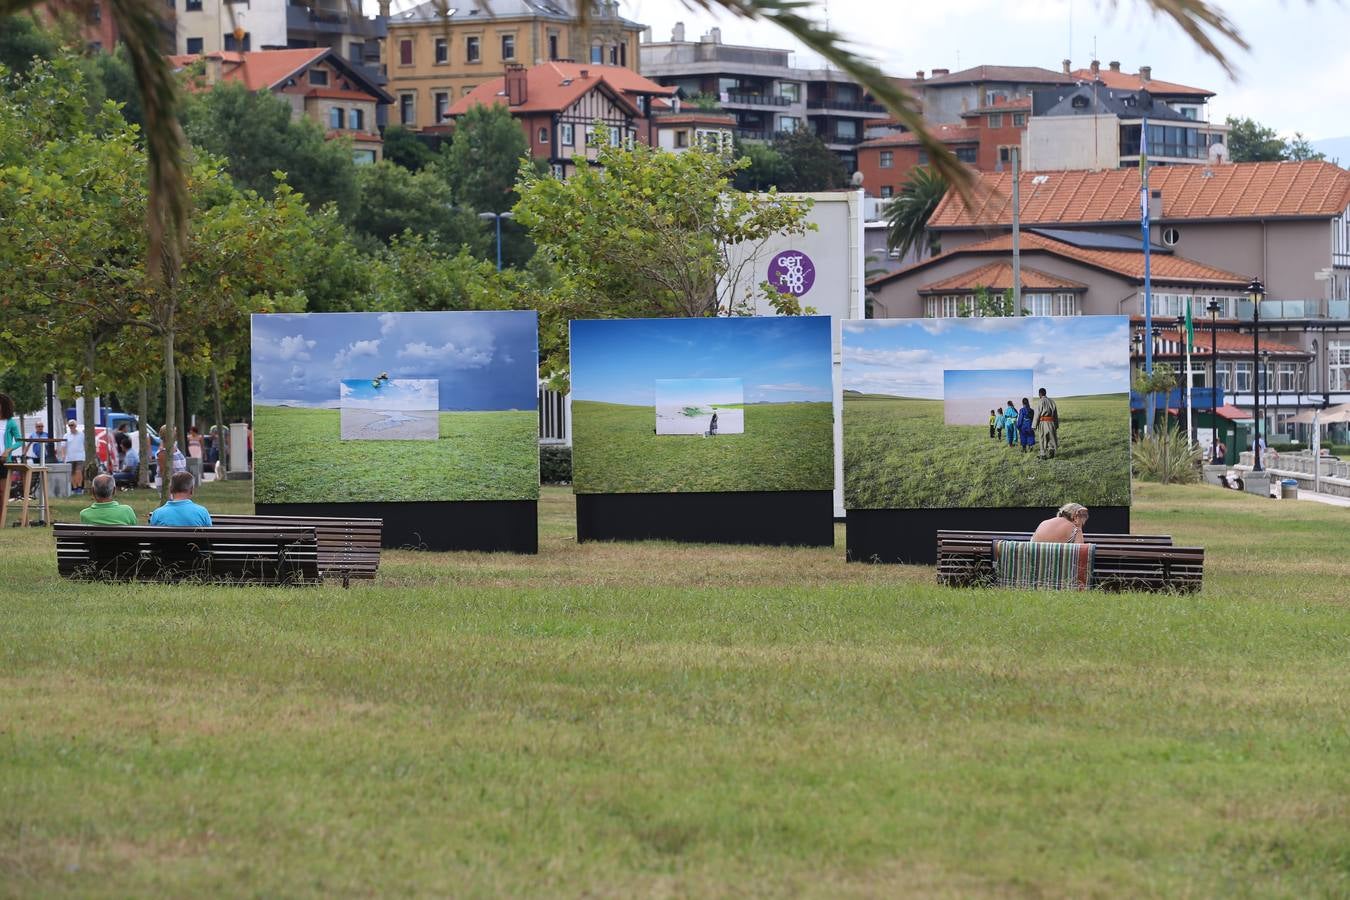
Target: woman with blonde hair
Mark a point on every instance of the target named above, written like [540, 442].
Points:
[1066, 527]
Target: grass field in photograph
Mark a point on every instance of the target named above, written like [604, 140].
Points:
[299, 458]
[674, 720]
[785, 447]
[898, 454]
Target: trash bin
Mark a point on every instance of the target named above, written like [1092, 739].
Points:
[194, 465]
[1289, 489]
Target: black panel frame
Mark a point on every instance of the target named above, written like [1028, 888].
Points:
[773, 518]
[493, 526]
[910, 535]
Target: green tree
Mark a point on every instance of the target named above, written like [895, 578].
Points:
[23, 39]
[907, 215]
[413, 273]
[1250, 141]
[482, 160]
[1298, 149]
[766, 167]
[649, 233]
[392, 200]
[404, 148]
[808, 165]
[255, 134]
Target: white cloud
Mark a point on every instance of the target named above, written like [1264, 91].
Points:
[354, 350]
[296, 347]
[451, 354]
[387, 322]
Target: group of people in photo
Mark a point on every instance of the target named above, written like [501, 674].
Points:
[1027, 428]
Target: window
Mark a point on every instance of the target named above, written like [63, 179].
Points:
[887, 159]
[1005, 154]
[363, 157]
[194, 45]
[1224, 376]
[192, 6]
[442, 51]
[472, 50]
[556, 170]
[923, 157]
[846, 129]
[1019, 120]
[235, 44]
[543, 135]
[356, 119]
[442, 99]
[508, 46]
[967, 154]
[552, 46]
[992, 97]
[405, 52]
[335, 117]
[788, 123]
[1242, 377]
[996, 120]
[887, 191]
[1338, 365]
[1170, 236]
[1287, 377]
[1045, 304]
[566, 135]
[613, 55]
[681, 137]
[318, 77]
[791, 92]
[356, 52]
[597, 54]
[615, 135]
[407, 109]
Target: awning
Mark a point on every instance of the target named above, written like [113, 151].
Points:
[1330, 416]
[1233, 413]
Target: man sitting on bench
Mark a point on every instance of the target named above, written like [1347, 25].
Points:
[106, 510]
[180, 510]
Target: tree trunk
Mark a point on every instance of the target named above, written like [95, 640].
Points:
[143, 409]
[170, 411]
[88, 401]
[219, 443]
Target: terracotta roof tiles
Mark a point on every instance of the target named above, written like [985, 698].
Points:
[554, 86]
[998, 276]
[948, 134]
[1132, 81]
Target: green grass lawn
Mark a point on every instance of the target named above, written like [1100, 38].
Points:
[299, 458]
[673, 720]
[898, 454]
[785, 447]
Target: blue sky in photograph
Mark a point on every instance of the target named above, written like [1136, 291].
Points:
[779, 360]
[1069, 355]
[396, 393]
[972, 384]
[698, 391]
[482, 360]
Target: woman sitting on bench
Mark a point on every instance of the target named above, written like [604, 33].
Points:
[1066, 527]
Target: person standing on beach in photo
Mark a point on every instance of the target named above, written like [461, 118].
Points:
[1025, 433]
[712, 426]
[993, 424]
[1010, 422]
[1047, 425]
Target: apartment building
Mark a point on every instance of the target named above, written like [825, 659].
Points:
[436, 53]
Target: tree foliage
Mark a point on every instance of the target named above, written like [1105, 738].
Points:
[765, 166]
[807, 164]
[482, 160]
[403, 147]
[1250, 141]
[392, 199]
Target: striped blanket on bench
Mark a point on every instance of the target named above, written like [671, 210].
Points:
[1043, 566]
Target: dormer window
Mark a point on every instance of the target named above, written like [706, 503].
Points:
[318, 77]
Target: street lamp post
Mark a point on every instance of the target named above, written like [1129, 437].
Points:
[497, 217]
[1256, 291]
[1213, 310]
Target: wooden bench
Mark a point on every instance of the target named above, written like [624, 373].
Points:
[232, 555]
[1134, 562]
[348, 548]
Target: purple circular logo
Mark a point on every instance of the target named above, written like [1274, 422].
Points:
[792, 272]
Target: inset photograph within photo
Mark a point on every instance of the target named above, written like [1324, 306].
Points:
[973, 396]
[701, 406]
[385, 409]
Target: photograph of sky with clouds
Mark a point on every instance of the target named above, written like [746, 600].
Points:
[481, 360]
[1069, 355]
[779, 360]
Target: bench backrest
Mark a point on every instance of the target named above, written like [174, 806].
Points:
[240, 555]
[348, 547]
[966, 558]
[986, 536]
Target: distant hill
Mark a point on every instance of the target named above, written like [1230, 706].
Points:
[1336, 149]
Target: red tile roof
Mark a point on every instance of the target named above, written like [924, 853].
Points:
[998, 276]
[554, 86]
[1167, 269]
[257, 69]
[1229, 342]
[1233, 191]
[694, 118]
[948, 134]
[1131, 81]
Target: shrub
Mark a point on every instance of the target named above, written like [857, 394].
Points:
[1167, 457]
[555, 464]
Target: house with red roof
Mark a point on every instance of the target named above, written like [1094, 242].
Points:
[316, 81]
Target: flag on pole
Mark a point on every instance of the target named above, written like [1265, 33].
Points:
[1143, 178]
[1190, 326]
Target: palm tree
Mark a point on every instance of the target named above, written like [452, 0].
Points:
[908, 214]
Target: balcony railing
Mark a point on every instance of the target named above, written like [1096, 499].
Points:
[757, 100]
[753, 134]
[844, 105]
[842, 138]
[1274, 310]
[300, 18]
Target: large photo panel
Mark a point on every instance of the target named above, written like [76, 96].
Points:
[395, 407]
[983, 413]
[702, 405]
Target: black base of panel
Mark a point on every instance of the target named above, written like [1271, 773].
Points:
[910, 535]
[783, 518]
[509, 526]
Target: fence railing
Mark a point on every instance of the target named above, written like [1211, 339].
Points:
[552, 415]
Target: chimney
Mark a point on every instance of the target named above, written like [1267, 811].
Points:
[715, 34]
[1115, 65]
[517, 90]
[677, 33]
[215, 68]
[585, 73]
[384, 9]
[1145, 73]
[919, 75]
[647, 35]
[1068, 66]
[938, 73]
[1096, 68]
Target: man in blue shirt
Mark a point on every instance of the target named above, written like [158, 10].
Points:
[181, 511]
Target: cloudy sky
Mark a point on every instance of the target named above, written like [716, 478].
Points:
[1070, 356]
[480, 360]
[779, 360]
[1295, 78]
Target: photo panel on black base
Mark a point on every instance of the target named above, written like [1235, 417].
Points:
[508, 526]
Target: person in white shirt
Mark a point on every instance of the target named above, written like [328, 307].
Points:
[74, 455]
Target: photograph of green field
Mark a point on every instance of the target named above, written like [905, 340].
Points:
[785, 447]
[768, 381]
[395, 407]
[898, 454]
[479, 456]
[949, 413]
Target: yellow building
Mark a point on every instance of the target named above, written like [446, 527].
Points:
[441, 50]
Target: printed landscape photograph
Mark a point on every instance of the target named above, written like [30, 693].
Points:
[949, 413]
[395, 407]
[702, 405]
